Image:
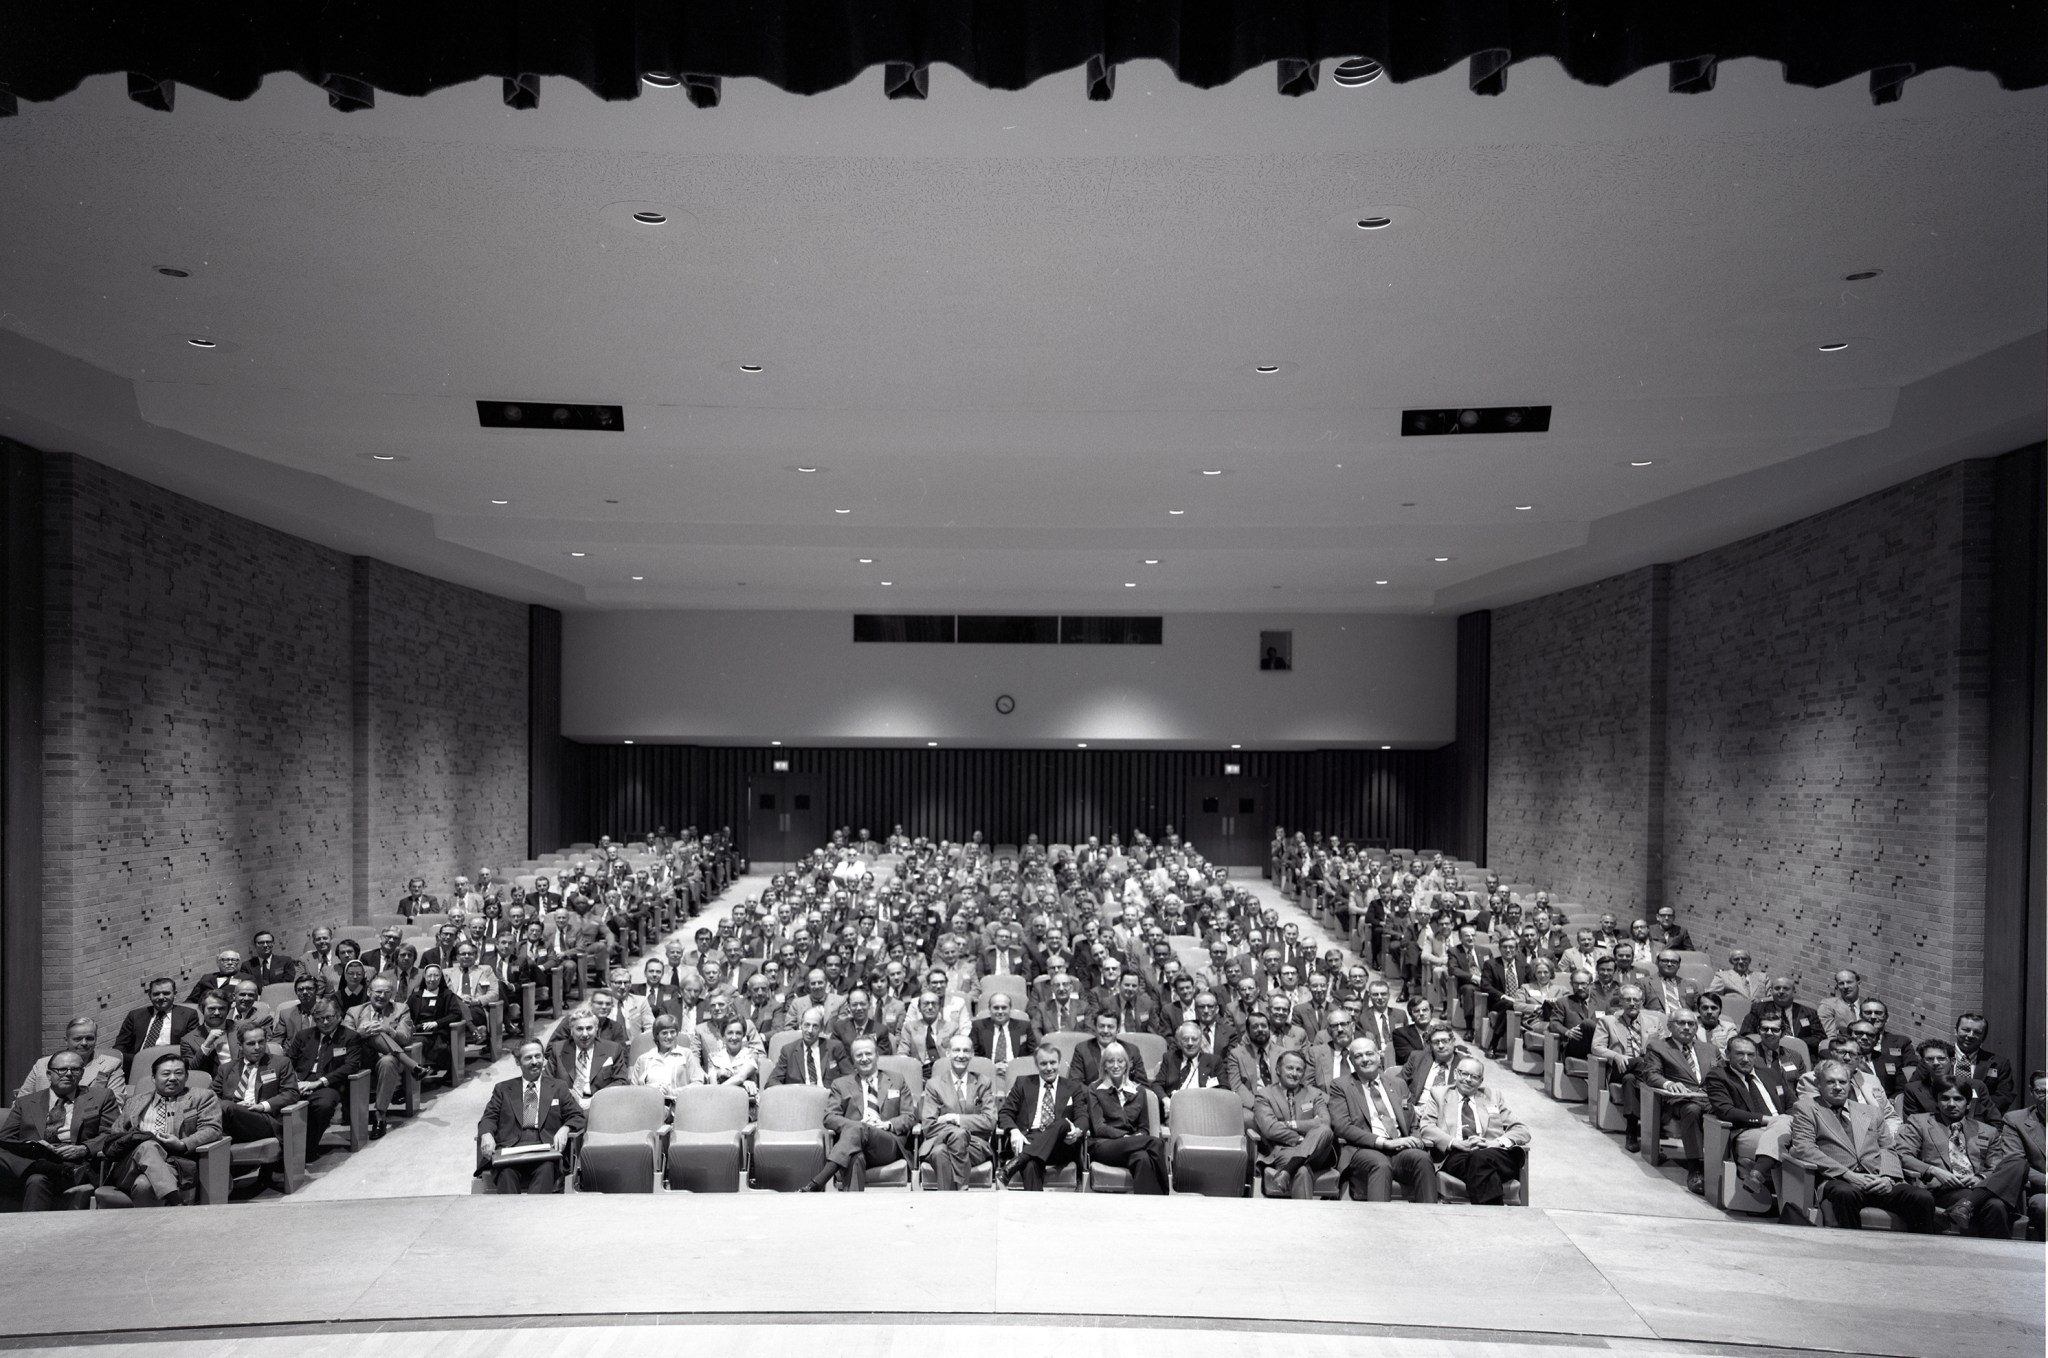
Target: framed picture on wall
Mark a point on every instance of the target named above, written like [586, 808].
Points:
[1276, 650]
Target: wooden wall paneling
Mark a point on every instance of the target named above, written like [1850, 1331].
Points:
[2015, 935]
[21, 760]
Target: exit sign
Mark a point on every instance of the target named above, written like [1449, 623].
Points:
[1232, 770]
[780, 766]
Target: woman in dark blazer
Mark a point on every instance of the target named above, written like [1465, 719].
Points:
[1118, 1120]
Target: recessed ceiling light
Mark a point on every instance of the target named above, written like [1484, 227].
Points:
[168, 272]
[1207, 472]
[1176, 512]
[842, 511]
[661, 80]
[1834, 346]
[1130, 584]
[1386, 747]
[627, 742]
[807, 470]
[867, 561]
[202, 343]
[888, 582]
[579, 554]
[501, 502]
[1861, 275]
[1379, 582]
[1267, 368]
[774, 742]
[932, 744]
[1151, 560]
[1081, 745]
[1351, 75]
[1374, 223]
[750, 367]
[639, 577]
[1525, 506]
[1442, 558]
[1641, 464]
[384, 457]
[649, 217]
[1237, 747]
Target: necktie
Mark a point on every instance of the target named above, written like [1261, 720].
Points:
[1044, 1118]
[159, 1119]
[1692, 1063]
[1193, 1075]
[1209, 1039]
[1439, 1076]
[159, 1031]
[249, 1074]
[1378, 1111]
[1265, 1069]
[1958, 1152]
[931, 1046]
[465, 983]
[583, 1073]
[1002, 1044]
[871, 1099]
[1465, 1118]
[810, 1063]
[1511, 973]
[530, 1106]
[65, 1108]
[960, 1093]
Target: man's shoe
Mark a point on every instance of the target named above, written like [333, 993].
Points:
[1696, 1183]
[1634, 1142]
[377, 1126]
[812, 1187]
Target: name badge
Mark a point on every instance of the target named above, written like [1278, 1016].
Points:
[341, 1051]
[554, 1103]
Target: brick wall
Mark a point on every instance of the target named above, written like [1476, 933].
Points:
[1818, 788]
[446, 779]
[205, 703]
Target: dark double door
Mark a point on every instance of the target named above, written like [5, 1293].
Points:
[785, 817]
[1229, 820]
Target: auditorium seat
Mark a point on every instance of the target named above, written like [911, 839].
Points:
[1065, 1043]
[789, 1137]
[1208, 1150]
[277, 996]
[139, 1076]
[1016, 987]
[705, 1151]
[1724, 1187]
[1515, 1193]
[1151, 1049]
[624, 1138]
[1525, 1050]
[1608, 1115]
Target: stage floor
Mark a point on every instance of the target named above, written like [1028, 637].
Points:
[1081, 1274]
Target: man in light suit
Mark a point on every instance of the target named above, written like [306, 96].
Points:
[926, 1033]
[869, 1115]
[1038, 1116]
[174, 1121]
[532, 1108]
[1620, 1038]
[1292, 1119]
[958, 1113]
[813, 1059]
[1476, 1135]
[2020, 1178]
[1852, 1151]
[62, 1118]
[82, 1035]
[1373, 1120]
[1000, 1035]
[160, 1023]
[1955, 1156]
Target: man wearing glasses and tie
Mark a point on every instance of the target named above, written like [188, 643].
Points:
[869, 1117]
[1475, 1135]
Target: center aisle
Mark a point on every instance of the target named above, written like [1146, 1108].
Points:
[435, 1152]
[1571, 1164]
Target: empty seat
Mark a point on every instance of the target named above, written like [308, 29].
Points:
[789, 1137]
[623, 1139]
[1208, 1150]
[704, 1144]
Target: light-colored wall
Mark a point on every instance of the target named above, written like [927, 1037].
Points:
[800, 678]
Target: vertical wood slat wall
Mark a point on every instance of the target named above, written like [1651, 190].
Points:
[1406, 798]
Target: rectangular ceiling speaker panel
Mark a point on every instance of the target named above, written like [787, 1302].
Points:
[1475, 420]
[550, 415]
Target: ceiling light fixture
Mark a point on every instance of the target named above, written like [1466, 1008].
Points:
[1374, 223]
[579, 554]
[932, 744]
[1379, 582]
[1217, 472]
[203, 343]
[1861, 275]
[867, 561]
[1834, 346]
[501, 502]
[1351, 75]
[383, 457]
[168, 272]
[1266, 368]
[1641, 464]
[1525, 506]
[649, 217]
[807, 470]
[1386, 747]
[887, 583]
[774, 742]
[750, 367]
[627, 742]
[1237, 747]
[1151, 560]
[1176, 512]
[842, 511]
[661, 80]
[1081, 745]
[1130, 584]
[639, 577]
[1442, 559]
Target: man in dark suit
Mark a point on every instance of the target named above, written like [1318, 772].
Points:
[1889, 1053]
[213, 1041]
[1249, 1066]
[869, 1114]
[1004, 957]
[813, 1059]
[1413, 1036]
[1066, 1011]
[1461, 965]
[1677, 1061]
[1755, 1099]
[254, 1086]
[1038, 1117]
[1373, 1119]
[1379, 1020]
[1801, 1021]
[587, 1063]
[1499, 977]
[856, 1019]
[160, 1023]
[323, 1057]
[53, 1127]
[1436, 1065]
[1000, 1035]
[1977, 1062]
[1187, 1066]
[265, 965]
[1669, 933]
[1086, 1067]
[534, 1108]
[227, 968]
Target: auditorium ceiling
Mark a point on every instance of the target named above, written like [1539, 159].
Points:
[1014, 332]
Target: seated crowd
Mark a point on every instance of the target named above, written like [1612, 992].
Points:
[1033, 1014]
[127, 1125]
[1938, 1131]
